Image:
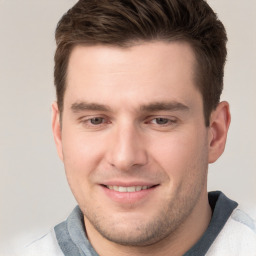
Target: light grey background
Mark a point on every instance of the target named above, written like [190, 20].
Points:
[34, 195]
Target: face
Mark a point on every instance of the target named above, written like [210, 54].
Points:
[133, 139]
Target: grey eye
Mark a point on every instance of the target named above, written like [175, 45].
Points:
[97, 120]
[161, 120]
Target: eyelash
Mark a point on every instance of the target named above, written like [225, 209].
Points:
[88, 121]
[167, 121]
[153, 120]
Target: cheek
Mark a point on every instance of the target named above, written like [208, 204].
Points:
[80, 150]
[81, 155]
[181, 155]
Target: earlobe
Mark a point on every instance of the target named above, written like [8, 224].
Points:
[56, 129]
[219, 124]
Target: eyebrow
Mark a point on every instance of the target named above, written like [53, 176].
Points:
[151, 107]
[164, 106]
[83, 106]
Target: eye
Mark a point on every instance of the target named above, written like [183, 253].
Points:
[161, 121]
[96, 120]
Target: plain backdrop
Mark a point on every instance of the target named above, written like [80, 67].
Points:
[34, 194]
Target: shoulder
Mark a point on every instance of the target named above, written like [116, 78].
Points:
[238, 236]
[46, 245]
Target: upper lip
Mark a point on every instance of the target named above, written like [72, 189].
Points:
[129, 184]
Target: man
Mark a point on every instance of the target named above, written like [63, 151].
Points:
[138, 118]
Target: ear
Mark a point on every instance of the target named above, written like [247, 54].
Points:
[56, 129]
[219, 124]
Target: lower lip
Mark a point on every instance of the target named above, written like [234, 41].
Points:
[128, 197]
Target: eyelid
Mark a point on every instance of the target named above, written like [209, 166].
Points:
[163, 118]
[170, 118]
[85, 120]
[89, 117]
[149, 120]
[171, 124]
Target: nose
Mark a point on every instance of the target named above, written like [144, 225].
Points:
[126, 149]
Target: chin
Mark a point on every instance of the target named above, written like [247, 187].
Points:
[135, 230]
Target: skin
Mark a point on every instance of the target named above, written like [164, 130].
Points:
[134, 116]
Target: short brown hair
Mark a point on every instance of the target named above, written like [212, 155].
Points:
[125, 22]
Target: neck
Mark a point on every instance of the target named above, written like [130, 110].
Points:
[177, 243]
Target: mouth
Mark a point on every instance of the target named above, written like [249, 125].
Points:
[128, 194]
[128, 189]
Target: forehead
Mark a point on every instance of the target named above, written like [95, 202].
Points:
[151, 55]
[152, 71]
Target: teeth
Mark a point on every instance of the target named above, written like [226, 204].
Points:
[131, 189]
[138, 188]
[127, 189]
[122, 189]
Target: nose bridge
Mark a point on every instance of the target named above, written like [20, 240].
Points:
[127, 148]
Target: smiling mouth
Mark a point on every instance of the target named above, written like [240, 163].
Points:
[128, 189]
